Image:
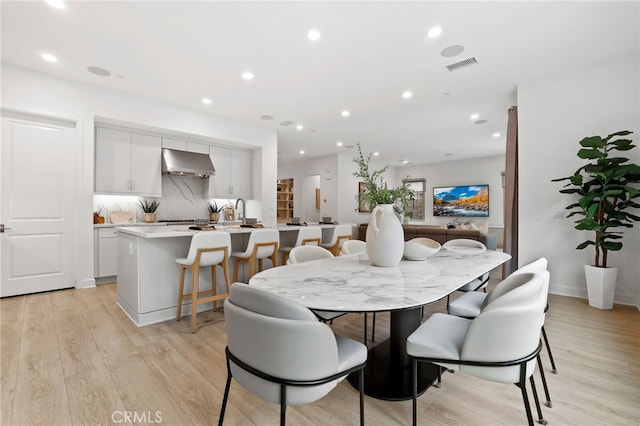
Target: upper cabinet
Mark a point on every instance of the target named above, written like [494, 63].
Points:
[128, 163]
[233, 173]
[183, 145]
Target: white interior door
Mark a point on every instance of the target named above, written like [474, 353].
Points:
[36, 206]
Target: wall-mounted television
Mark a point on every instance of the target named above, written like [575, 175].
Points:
[461, 201]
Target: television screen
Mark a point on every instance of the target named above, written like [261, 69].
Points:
[461, 201]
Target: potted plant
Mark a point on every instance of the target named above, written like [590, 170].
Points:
[606, 188]
[149, 208]
[214, 211]
[385, 236]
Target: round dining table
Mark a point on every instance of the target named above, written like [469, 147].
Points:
[352, 284]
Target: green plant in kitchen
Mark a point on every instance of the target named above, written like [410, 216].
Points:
[149, 206]
[213, 207]
[376, 191]
[606, 188]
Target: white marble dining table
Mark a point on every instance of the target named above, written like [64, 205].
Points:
[353, 284]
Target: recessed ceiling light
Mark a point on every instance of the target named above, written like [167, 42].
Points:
[49, 57]
[407, 94]
[338, 143]
[313, 34]
[405, 161]
[206, 101]
[434, 32]
[99, 71]
[58, 4]
[247, 75]
[299, 127]
[474, 116]
[496, 135]
[375, 154]
[451, 51]
[302, 151]
[345, 113]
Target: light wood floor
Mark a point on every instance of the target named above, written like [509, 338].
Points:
[73, 358]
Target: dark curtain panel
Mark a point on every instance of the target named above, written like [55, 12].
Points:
[511, 194]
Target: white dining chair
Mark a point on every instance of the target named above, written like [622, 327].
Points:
[206, 249]
[309, 235]
[340, 234]
[278, 351]
[500, 344]
[262, 244]
[469, 305]
[353, 247]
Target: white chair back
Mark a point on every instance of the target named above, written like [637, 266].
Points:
[202, 240]
[309, 233]
[507, 329]
[340, 230]
[263, 236]
[353, 247]
[464, 242]
[281, 338]
[513, 281]
[308, 253]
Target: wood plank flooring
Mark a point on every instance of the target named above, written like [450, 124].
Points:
[72, 357]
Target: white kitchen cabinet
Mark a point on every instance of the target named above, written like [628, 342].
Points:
[105, 252]
[128, 163]
[233, 173]
[184, 145]
[198, 147]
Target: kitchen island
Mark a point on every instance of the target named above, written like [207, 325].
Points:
[148, 273]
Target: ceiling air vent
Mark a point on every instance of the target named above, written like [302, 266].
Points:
[286, 123]
[462, 64]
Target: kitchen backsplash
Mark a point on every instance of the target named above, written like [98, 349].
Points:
[182, 198]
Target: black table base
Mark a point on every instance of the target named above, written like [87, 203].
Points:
[388, 372]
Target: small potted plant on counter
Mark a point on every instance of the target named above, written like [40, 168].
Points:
[149, 208]
[214, 211]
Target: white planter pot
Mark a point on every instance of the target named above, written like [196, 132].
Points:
[601, 286]
[385, 237]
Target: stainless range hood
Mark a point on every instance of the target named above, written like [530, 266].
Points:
[184, 163]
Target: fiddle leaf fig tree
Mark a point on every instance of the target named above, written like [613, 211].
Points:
[607, 188]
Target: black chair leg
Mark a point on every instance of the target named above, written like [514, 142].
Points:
[414, 373]
[541, 419]
[283, 404]
[554, 370]
[439, 384]
[522, 384]
[361, 379]
[226, 395]
[373, 328]
[544, 383]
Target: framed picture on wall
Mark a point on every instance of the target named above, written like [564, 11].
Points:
[362, 206]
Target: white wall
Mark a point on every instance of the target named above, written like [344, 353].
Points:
[554, 115]
[36, 93]
[463, 172]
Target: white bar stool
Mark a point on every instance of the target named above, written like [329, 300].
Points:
[306, 235]
[341, 233]
[263, 244]
[207, 249]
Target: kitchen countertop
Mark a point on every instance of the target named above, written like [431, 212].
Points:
[115, 225]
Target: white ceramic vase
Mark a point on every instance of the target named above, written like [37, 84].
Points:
[385, 237]
[601, 286]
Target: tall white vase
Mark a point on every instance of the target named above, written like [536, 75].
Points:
[601, 286]
[385, 237]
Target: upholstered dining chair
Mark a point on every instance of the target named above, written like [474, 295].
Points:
[500, 344]
[340, 234]
[280, 352]
[307, 253]
[311, 235]
[479, 283]
[206, 249]
[353, 247]
[469, 305]
[262, 244]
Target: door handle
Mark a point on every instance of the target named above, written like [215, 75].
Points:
[2, 228]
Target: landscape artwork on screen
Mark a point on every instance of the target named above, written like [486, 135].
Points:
[461, 201]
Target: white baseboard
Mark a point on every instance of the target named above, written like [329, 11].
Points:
[620, 298]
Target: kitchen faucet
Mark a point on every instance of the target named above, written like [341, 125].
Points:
[242, 218]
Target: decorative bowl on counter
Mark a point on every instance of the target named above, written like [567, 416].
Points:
[420, 248]
[326, 219]
[201, 222]
[251, 220]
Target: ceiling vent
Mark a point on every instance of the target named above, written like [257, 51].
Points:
[286, 123]
[462, 64]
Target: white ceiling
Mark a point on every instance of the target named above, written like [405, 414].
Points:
[369, 53]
